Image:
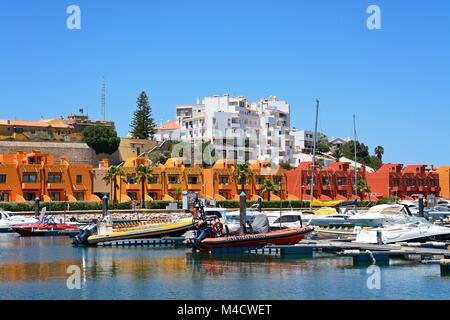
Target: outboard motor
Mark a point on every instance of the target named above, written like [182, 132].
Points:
[81, 239]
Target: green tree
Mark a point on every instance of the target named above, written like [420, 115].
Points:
[323, 145]
[337, 154]
[362, 188]
[348, 149]
[379, 151]
[143, 174]
[242, 172]
[158, 157]
[176, 194]
[143, 125]
[268, 187]
[102, 139]
[111, 176]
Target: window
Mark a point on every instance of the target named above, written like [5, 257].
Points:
[2, 178]
[325, 181]
[29, 177]
[259, 180]
[79, 179]
[4, 197]
[223, 180]
[132, 195]
[55, 196]
[54, 178]
[29, 196]
[153, 180]
[192, 180]
[173, 180]
[277, 181]
[131, 179]
[79, 196]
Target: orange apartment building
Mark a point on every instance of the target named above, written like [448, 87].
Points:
[223, 185]
[216, 183]
[394, 181]
[25, 176]
[444, 181]
[335, 182]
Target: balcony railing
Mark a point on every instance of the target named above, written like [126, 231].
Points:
[31, 185]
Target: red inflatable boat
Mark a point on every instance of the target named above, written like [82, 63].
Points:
[42, 229]
[281, 237]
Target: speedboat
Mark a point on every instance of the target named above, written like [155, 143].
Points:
[417, 230]
[328, 217]
[284, 219]
[46, 227]
[438, 213]
[105, 230]
[380, 215]
[211, 235]
[8, 220]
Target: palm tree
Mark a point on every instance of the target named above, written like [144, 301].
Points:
[143, 173]
[176, 194]
[362, 188]
[111, 175]
[268, 187]
[379, 151]
[242, 172]
[337, 154]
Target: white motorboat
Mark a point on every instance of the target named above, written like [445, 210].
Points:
[417, 230]
[284, 219]
[438, 213]
[381, 215]
[328, 217]
[8, 220]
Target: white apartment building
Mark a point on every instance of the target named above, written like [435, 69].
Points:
[303, 141]
[239, 130]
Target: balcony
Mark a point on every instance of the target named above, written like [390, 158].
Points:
[423, 189]
[196, 186]
[345, 188]
[154, 186]
[173, 186]
[411, 189]
[31, 186]
[435, 189]
[397, 188]
[226, 186]
[133, 186]
[56, 186]
[327, 187]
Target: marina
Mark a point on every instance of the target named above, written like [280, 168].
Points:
[36, 268]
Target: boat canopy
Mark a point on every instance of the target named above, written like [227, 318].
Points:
[318, 203]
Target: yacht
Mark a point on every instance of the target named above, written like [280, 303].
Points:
[381, 215]
[417, 230]
[8, 221]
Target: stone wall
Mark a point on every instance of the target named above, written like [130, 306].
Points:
[74, 152]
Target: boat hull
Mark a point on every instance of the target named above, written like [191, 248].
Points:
[46, 231]
[170, 230]
[281, 237]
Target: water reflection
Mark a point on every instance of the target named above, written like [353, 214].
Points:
[37, 267]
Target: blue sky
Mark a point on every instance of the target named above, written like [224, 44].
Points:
[396, 79]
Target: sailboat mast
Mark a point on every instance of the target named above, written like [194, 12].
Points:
[354, 141]
[314, 150]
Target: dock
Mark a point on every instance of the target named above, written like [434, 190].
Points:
[169, 242]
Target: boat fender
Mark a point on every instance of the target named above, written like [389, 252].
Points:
[217, 227]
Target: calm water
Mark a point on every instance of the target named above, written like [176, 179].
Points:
[36, 268]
